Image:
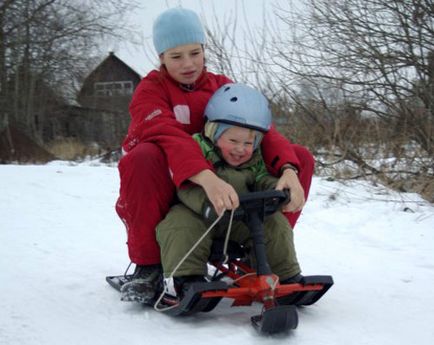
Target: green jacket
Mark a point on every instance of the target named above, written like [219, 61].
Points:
[248, 177]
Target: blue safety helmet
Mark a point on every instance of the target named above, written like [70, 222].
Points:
[239, 105]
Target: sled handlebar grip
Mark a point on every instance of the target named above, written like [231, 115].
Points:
[265, 202]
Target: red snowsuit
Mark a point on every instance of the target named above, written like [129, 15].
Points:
[161, 154]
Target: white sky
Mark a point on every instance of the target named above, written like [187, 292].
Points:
[249, 12]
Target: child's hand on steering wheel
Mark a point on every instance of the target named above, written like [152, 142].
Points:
[220, 193]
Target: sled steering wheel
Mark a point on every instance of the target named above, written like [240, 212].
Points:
[263, 203]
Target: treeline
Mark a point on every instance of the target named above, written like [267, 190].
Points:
[46, 48]
[351, 79]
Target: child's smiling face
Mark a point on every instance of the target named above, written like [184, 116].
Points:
[236, 145]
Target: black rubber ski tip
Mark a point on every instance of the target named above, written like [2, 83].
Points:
[276, 320]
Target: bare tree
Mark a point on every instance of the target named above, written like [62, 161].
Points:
[44, 46]
[378, 55]
[377, 52]
[353, 79]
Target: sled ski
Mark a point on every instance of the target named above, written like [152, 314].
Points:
[314, 287]
[116, 282]
[279, 301]
[193, 302]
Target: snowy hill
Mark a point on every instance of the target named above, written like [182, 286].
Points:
[60, 236]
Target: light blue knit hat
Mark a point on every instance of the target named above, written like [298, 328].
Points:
[175, 27]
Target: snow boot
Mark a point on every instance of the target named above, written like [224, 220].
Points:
[145, 284]
[182, 284]
[298, 278]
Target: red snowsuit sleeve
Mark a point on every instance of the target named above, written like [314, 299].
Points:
[277, 150]
[152, 120]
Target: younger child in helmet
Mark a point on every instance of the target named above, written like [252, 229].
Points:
[238, 116]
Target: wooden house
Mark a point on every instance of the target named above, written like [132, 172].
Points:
[109, 86]
[100, 118]
[102, 115]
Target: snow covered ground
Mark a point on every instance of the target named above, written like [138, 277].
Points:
[60, 236]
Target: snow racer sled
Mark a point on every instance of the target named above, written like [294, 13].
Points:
[236, 280]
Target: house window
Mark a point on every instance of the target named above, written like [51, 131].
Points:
[112, 88]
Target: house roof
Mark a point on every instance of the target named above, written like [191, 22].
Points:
[111, 69]
[111, 59]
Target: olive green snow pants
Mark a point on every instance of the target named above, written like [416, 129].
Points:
[181, 229]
